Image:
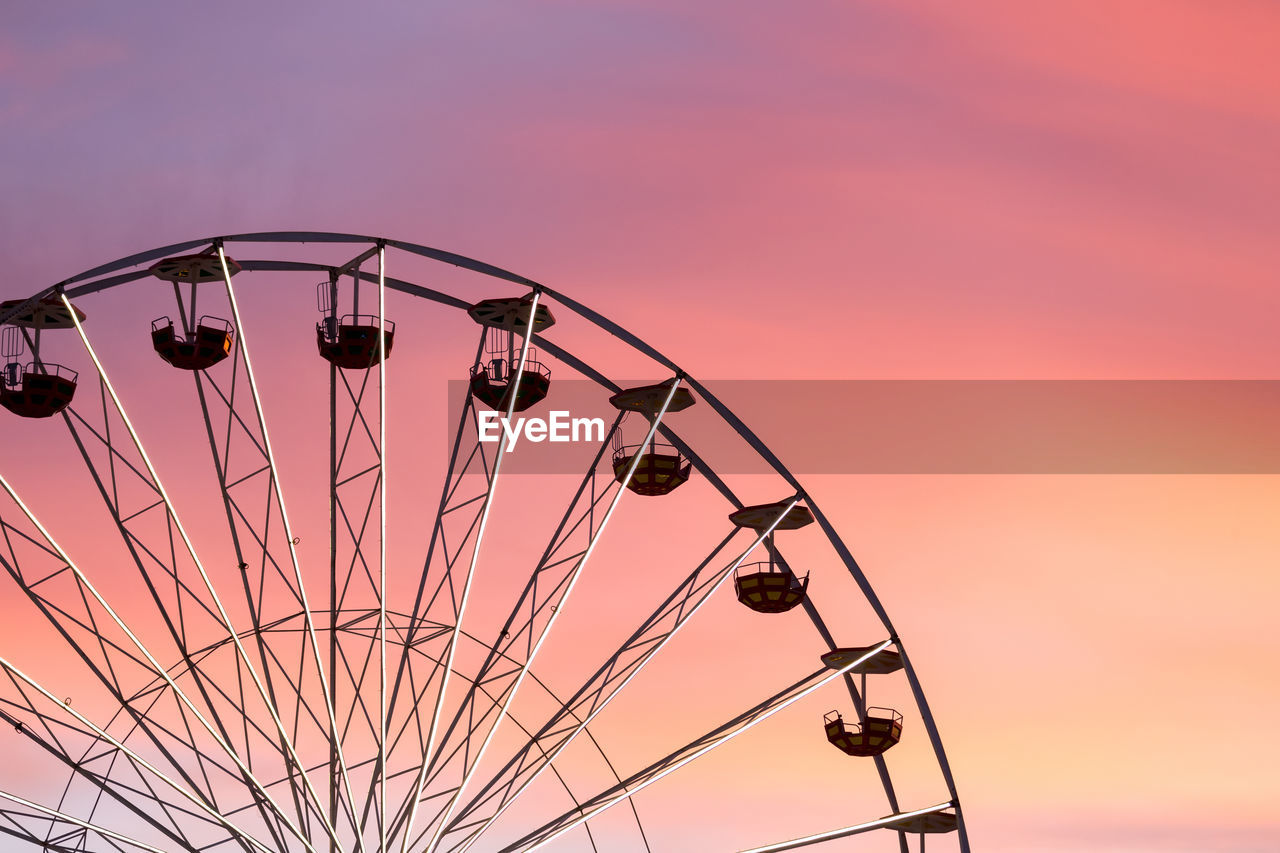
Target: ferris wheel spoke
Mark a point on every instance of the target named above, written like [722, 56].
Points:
[43, 730]
[36, 583]
[329, 820]
[893, 821]
[421, 754]
[176, 627]
[690, 752]
[224, 619]
[567, 584]
[418, 697]
[714, 479]
[11, 825]
[381, 770]
[512, 396]
[245, 534]
[437, 630]
[62, 817]
[539, 752]
[248, 532]
[36, 722]
[357, 501]
[236, 424]
[474, 463]
[116, 457]
[516, 639]
[271, 817]
[285, 672]
[615, 673]
[165, 738]
[149, 665]
[142, 554]
[108, 669]
[418, 693]
[194, 797]
[438, 793]
[227, 771]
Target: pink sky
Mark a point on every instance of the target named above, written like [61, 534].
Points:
[826, 191]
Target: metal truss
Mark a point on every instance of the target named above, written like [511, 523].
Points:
[230, 707]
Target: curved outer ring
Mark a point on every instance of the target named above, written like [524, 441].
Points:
[90, 281]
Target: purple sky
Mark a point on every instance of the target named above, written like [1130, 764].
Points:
[826, 190]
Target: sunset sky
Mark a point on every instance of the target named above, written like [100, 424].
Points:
[815, 190]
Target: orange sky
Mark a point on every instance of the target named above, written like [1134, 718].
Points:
[831, 191]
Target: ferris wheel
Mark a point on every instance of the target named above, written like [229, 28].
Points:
[254, 602]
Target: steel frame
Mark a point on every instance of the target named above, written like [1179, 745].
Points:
[310, 816]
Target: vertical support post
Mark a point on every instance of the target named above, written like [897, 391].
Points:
[333, 560]
[182, 308]
[195, 317]
[382, 548]
[34, 346]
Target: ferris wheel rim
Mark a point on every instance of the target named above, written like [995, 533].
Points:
[112, 274]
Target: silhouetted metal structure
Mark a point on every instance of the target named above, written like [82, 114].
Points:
[251, 712]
